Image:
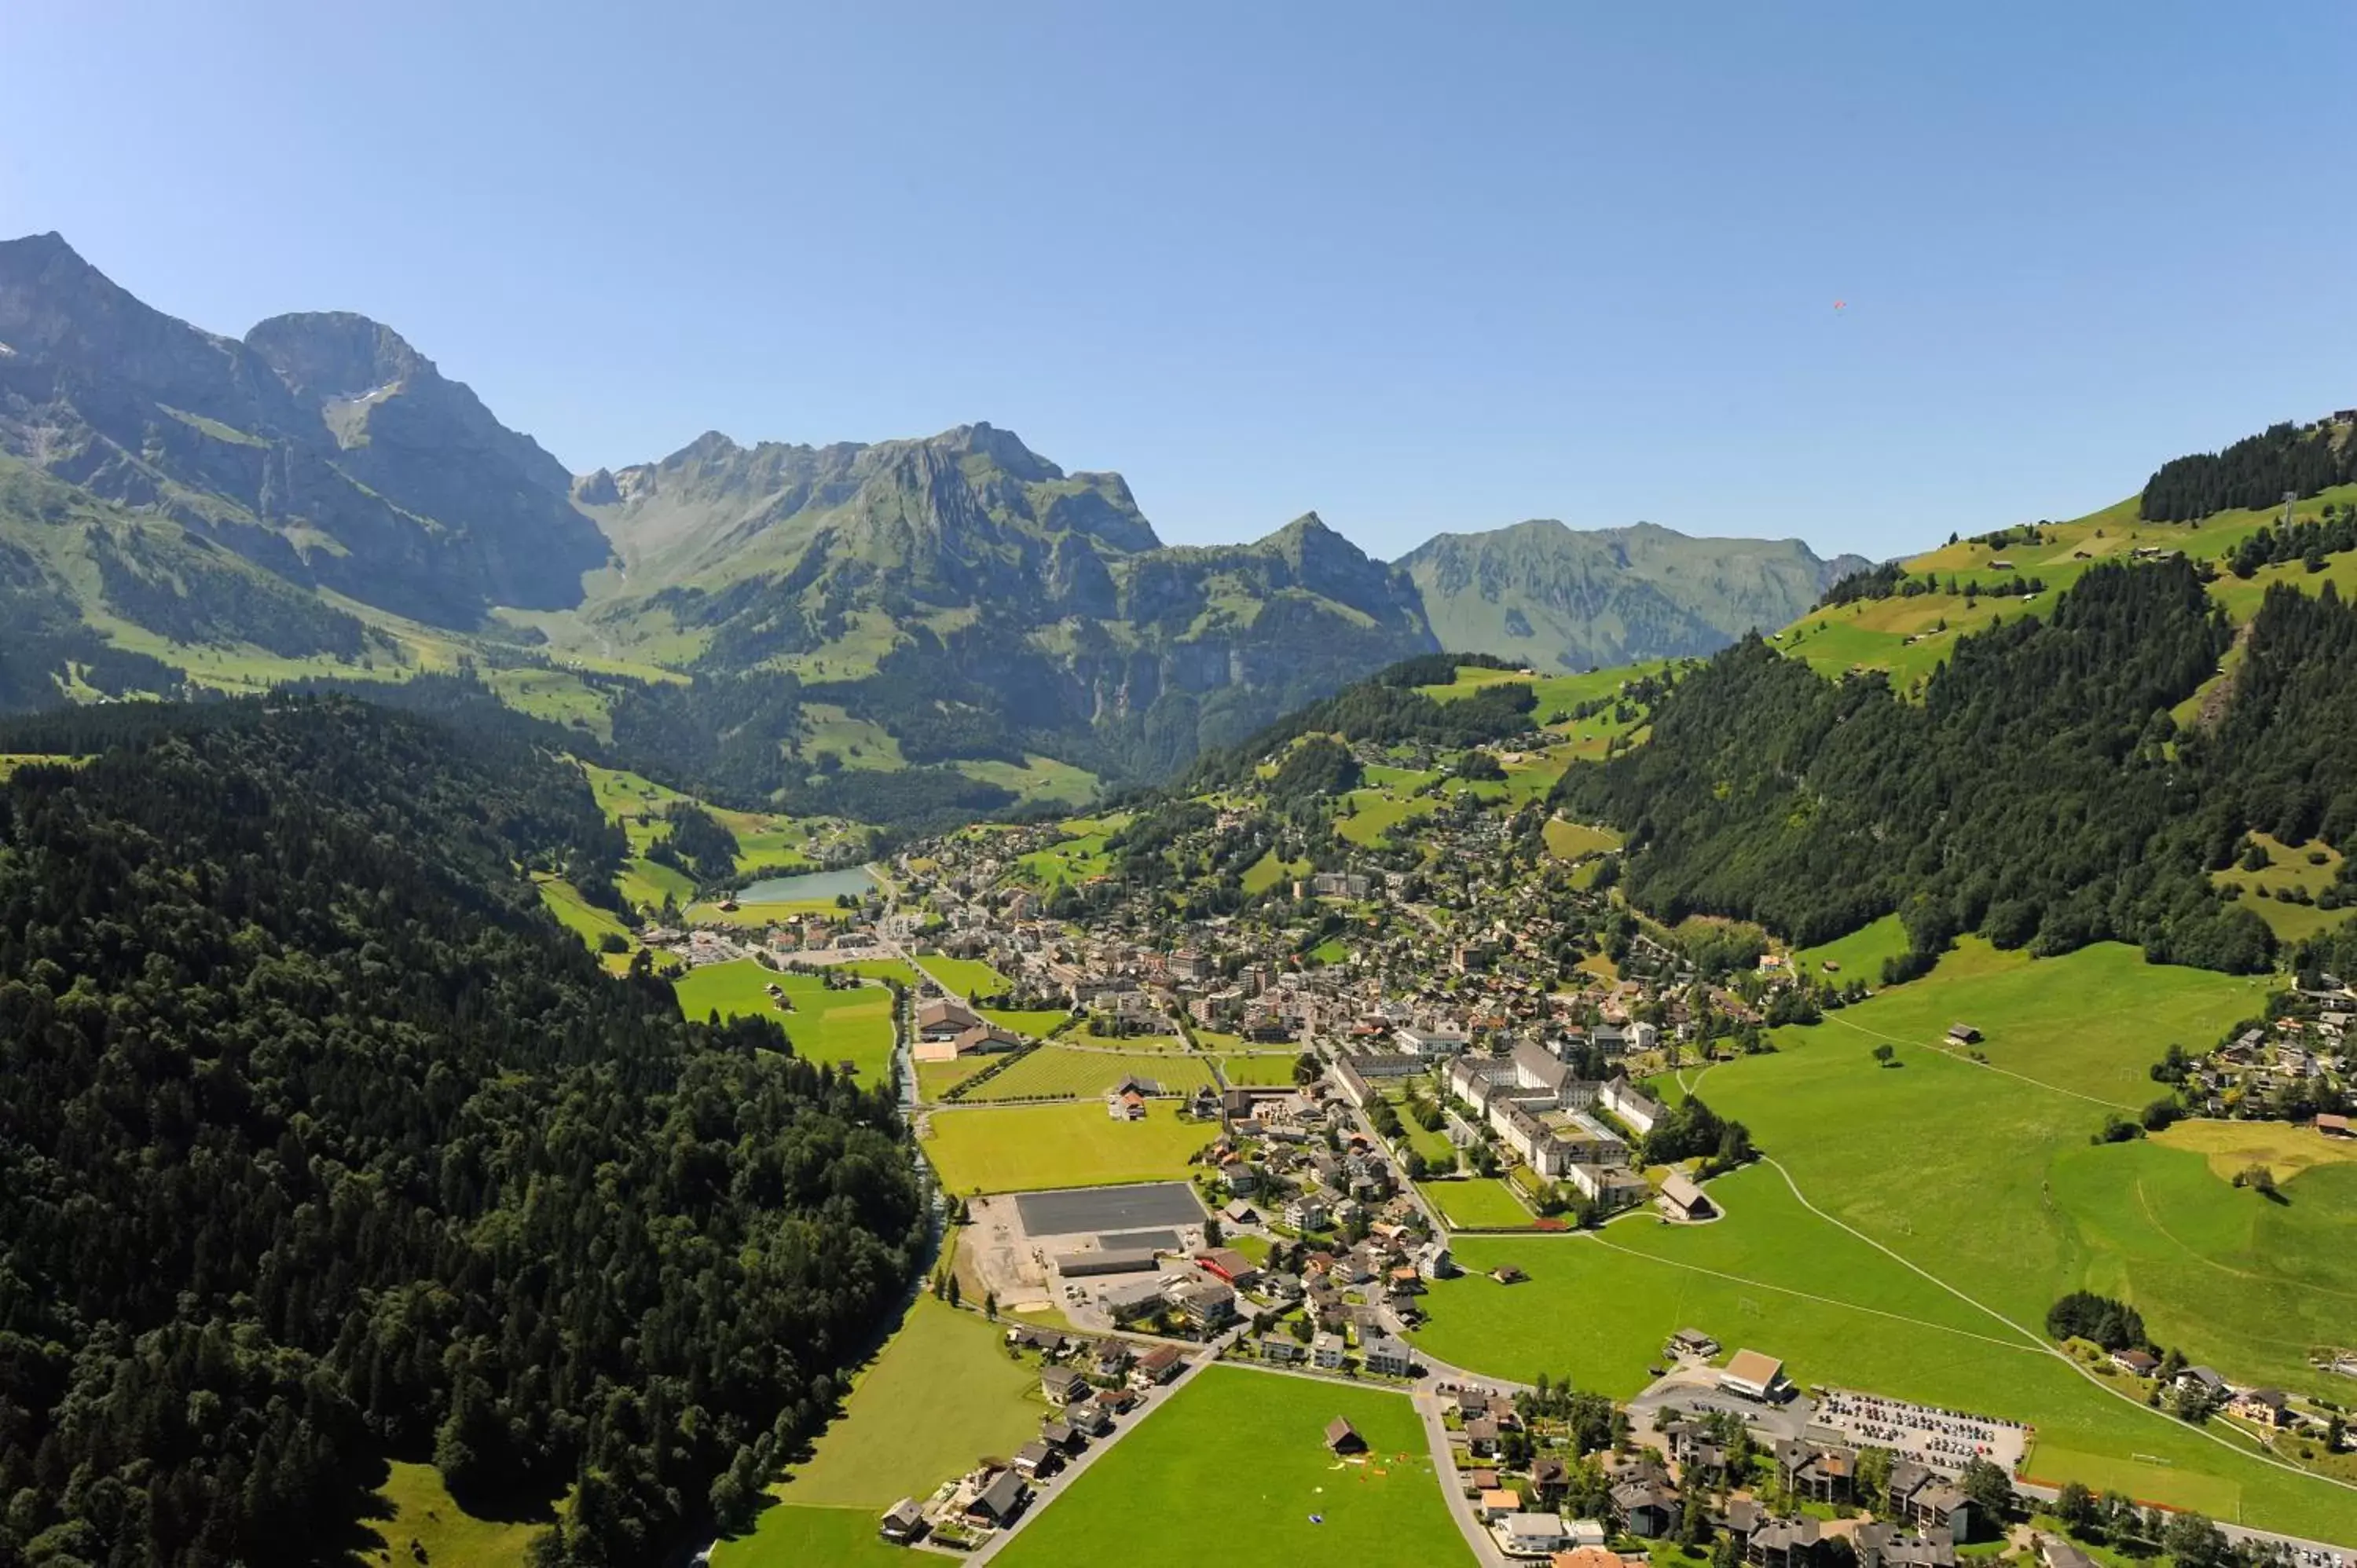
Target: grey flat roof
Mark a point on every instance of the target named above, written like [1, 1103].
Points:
[1138, 1240]
[1101, 1208]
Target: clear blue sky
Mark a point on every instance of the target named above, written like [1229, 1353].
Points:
[1416, 267]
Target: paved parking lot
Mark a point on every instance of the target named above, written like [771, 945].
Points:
[1162, 1204]
[1943, 1439]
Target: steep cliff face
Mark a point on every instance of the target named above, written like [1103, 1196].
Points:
[322, 447]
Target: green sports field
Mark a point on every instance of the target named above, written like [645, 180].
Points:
[1245, 1069]
[826, 1026]
[1018, 1148]
[1056, 1069]
[1485, 1204]
[1244, 1453]
[962, 976]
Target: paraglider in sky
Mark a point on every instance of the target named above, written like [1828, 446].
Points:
[1841, 305]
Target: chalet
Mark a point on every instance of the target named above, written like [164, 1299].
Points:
[1034, 1460]
[1549, 1477]
[2204, 1380]
[1497, 1502]
[1112, 1359]
[1063, 1385]
[1158, 1366]
[1116, 1400]
[1089, 1418]
[1306, 1212]
[1682, 1200]
[1341, 1437]
[1238, 1177]
[1060, 1434]
[903, 1524]
[1125, 1105]
[1481, 1435]
[2266, 1407]
[2135, 1363]
[999, 1500]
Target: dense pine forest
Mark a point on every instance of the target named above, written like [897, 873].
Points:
[2041, 793]
[321, 1146]
[2257, 471]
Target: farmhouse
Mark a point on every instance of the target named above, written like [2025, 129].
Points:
[1341, 1437]
[977, 1039]
[1682, 1200]
[902, 1523]
[942, 1019]
[1755, 1376]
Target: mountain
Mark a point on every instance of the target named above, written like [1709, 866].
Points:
[905, 630]
[322, 447]
[974, 600]
[1561, 597]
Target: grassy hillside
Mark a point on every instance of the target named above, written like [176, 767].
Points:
[1910, 636]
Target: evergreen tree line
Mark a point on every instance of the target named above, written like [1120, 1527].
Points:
[2041, 794]
[324, 1144]
[2253, 472]
[2310, 540]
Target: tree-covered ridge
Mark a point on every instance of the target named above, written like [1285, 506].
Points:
[2035, 795]
[2257, 471]
[1386, 709]
[321, 1144]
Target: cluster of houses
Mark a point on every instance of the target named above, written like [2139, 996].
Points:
[2269, 1409]
[2309, 1062]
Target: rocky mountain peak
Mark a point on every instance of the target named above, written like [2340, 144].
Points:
[336, 355]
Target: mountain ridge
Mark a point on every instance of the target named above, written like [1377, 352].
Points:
[315, 496]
